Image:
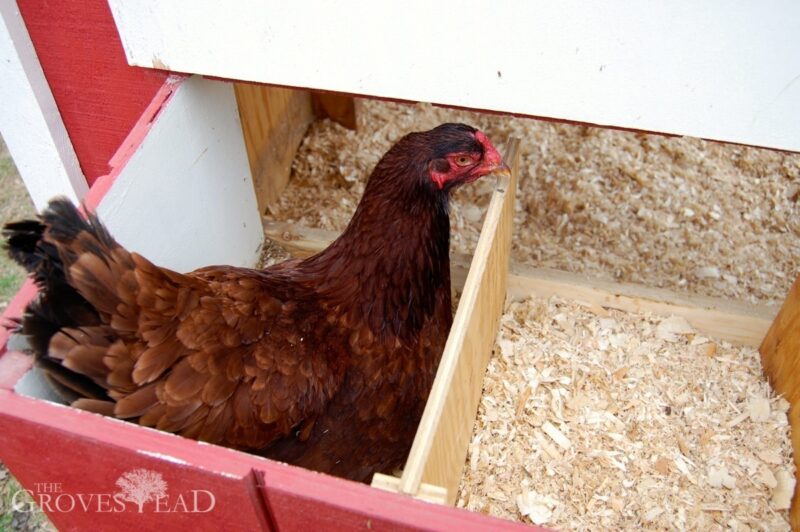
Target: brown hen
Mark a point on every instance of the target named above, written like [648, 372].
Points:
[324, 362]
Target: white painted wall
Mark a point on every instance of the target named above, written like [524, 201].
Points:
[185, 198]
[29, 119]
[714, 69]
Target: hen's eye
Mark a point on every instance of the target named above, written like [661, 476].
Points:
[463, 160]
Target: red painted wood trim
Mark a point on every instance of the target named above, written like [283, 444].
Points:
[99, 96]
[303, 500]
[133, 140]
[59, 451]
[47, 443]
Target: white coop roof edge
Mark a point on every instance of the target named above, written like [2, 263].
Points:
[717, 70]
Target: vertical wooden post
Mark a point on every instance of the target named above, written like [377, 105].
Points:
[341, 109]
[780, 357]
[274, 122]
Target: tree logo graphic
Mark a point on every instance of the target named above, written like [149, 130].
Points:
[140, 486]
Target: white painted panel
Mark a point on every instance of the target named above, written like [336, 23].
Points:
[715, 69]
[29, 119]
[185, 198]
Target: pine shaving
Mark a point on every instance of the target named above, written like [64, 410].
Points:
[695, 216]
[678, 440]
[593, 418]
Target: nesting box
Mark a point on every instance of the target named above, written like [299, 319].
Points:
[180, 174]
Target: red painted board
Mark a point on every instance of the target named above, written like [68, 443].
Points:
[88, 472]
[99, 96]
[72, 462]
[299, 500]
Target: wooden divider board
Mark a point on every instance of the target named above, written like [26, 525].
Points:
[780, 357]
[439, 450]
[734, 321]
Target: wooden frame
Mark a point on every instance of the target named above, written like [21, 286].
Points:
[260, 493]
[271, 118]
[780, 357]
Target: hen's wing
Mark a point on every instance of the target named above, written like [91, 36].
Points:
[223, 354]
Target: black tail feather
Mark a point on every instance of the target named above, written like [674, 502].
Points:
[33, 245]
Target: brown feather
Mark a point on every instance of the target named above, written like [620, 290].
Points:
[154, 415]
[157, 359]
[87, 360]
[184, 382]
[137, 403]
[218, 389]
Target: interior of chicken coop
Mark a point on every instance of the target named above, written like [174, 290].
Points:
[625, 340]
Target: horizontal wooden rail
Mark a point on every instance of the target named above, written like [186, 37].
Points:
[734, 321]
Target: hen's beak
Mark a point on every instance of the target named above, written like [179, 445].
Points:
[501, 169]
[490, 168]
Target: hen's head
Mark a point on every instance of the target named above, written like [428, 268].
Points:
[440, 159]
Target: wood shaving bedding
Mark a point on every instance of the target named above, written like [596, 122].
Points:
[593, 418]
[692, 215]
[599, 419]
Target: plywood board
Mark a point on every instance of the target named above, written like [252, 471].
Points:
[717, 70]
[184, 198]
[274, 122]
[780, 356]
[734, 321]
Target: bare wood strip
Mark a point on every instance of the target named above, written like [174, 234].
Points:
[736, 322]
[338, 107]
[780, 357]
[299, 240]
[274, 121]
[427, 492]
